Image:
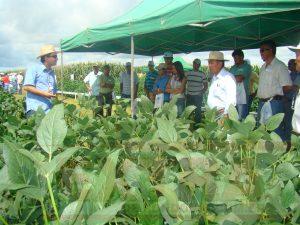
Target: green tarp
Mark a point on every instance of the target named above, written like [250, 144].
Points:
[184, 26]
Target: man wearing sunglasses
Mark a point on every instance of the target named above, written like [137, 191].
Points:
[40, 82]
[274, 81]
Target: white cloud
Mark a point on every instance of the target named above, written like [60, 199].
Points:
[26, 25]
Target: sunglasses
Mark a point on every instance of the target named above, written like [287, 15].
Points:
[264, 49]
[53, 56]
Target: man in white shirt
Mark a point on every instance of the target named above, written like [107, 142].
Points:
[296, 115]
[274, 80]
[92, 82]
[222, 91]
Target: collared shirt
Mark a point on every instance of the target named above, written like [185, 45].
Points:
[272, 78]
[222, 91]
[161, 83]
[93, 80]
[125, 79]
[43, 79]
[244, 70]
[150, 79]
[195, 82]
[104, 79]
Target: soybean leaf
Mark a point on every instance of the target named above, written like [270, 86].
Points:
[172, 203]
[232, 113]
[105, 182]
[166, 130]
[286, 171]
[288, 194]
[105, 215]
[274, 121]
[151, 215]
[134, 203]
[53, 129]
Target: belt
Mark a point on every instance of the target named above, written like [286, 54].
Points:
[276, 97]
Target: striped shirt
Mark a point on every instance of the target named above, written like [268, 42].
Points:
[150, 80]
[125, 80]
[195, 82]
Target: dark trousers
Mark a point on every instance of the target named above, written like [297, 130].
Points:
[195, 100]
[104, 99]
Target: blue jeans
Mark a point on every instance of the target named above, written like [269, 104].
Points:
[242, 111]
[195, 100]
[277, 107]
[180, 106]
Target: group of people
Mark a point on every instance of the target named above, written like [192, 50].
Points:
[11, 82]
[276, 89]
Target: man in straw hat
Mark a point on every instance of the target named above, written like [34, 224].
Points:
[296, 115]
[222, 91]
[40, 82]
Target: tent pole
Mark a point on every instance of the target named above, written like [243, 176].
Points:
[61, 73]
[132, 78]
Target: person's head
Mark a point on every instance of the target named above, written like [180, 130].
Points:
[48, 55]
[128, 67]
[106, 69]
[179, 70]
[292, 65]
[151, 66]
[267, 50]
[216, 62]
[96, 69]
[297, 51]
[168, 57]
[196, 64]
[238, 56]
[162, 69]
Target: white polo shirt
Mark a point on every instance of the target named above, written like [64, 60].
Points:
[272, 78]
[222, 91]
[94, 82]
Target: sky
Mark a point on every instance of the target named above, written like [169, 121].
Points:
[26, 25]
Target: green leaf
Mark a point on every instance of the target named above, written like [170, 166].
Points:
[274, 121]
[171, 199]
[105, 215]
[72, 213]
[188, 111]
[146, 105]
[151, 215]
[232, 113]
[288, 194]
[33, 192]
[105, 182]
[226, 193]
[20, 169]
[245, 213]
[53, 129]
[59, 160]
[6, 184]
[286, 171]
[134, 203]
[166, 130]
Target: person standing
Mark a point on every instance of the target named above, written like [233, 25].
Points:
[161, 82]
[125, 82]
[40, 82]
[196, 86]
[242, 72]
[176, 86]
[168, 58]
[92, 82]
[274, 81]
[5, 80]
[151, 76]
[20, 82]
[296, 115]
[222, 91]
[107, 84]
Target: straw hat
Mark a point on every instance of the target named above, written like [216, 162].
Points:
[161, 66]
[295, 49]
[47, 49]
[216, 55]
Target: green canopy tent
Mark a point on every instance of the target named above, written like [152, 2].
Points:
[185, 26]
[186, 65]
